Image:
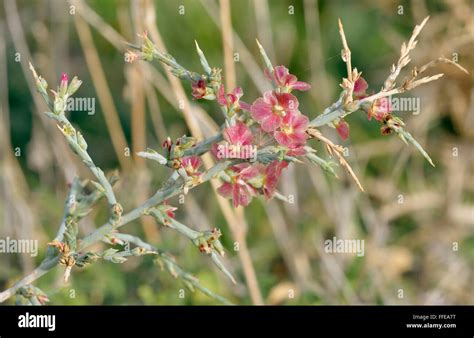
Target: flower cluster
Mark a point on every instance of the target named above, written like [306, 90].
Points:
[277, 111]
[275, 116]
[237, 144]
[245, 181]
[379, 109]
[231, 101]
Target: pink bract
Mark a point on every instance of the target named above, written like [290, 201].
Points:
[238, 189]
[342, 129]
[272, 176]
[238, 134]
[380, 109]
[270, 109]
[285, 80]
[360, 88]
[199, 89]
[292, 130]
[191, 164]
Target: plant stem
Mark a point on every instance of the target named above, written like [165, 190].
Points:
[180, 273]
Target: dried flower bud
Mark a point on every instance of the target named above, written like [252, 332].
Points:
[131, 56]
[116, 213]
[138, 251]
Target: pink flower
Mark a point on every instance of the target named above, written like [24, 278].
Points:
[270, 109]
[199, 89]
[288, 82]
[232, 100]
[271, 177]
[237, 138]
[238, 188]
[360, 87]
[238, 134]
[63, 85]
[64, 78]
[191, 164]
[43, 299]
[168, 209]
[292, 130]
[380, 109]
[342, 128]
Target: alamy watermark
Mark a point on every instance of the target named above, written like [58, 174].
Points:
[37, 321]
[79, 104]
[227, 150]
[405, 104]
[22, 246]
[352, 246]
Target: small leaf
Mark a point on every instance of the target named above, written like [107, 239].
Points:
[203, 60]
[407, 137]
[153, 155]
[266, 60]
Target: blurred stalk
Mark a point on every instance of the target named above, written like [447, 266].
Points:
[253, 68]
[227, 44]
[322, 95]
[139, 143]
[295, 259]
[159, 127]
[15, 212]
[64, 159]
[264, 27]
[103, 92]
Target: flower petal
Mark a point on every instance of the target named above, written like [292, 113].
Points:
[260, 109]
[343, 129]
[244, 105]
[360, 86]
[302, 86]
[300, 122]
[288, 101]
[221, 98]
[280, 73]
[282, 138]
[225, 190]
[238, 92]
[238, 134]
[298, 138]
[270, 97]
[271, 123]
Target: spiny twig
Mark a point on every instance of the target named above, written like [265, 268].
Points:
[338, 151]
[75, 138]
[404, 56]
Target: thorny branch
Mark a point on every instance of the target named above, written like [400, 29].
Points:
[274, 153]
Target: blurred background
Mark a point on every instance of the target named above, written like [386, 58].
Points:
[417, 221]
